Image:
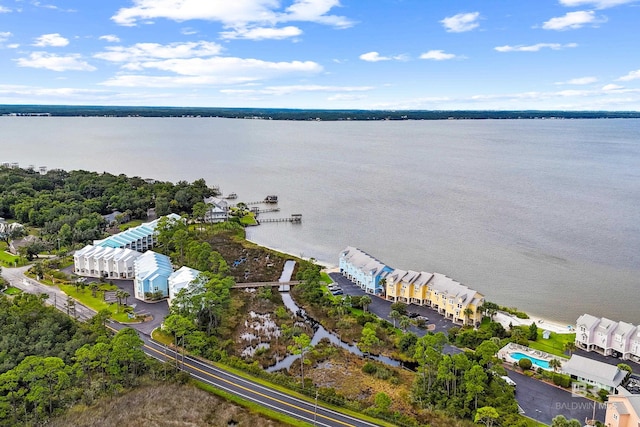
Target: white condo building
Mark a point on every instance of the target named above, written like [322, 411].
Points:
[180, 279]
[607, 337]
[105, 262]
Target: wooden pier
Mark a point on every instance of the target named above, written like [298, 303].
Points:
[257, 210]
[282, 286]
[294, 218]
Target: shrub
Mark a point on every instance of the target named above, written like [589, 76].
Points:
[561, 380]
[525, 364]
[369, 368]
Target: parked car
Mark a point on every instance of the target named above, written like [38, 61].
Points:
[412, 315]
[337, 292]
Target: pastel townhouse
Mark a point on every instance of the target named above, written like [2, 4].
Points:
[622, 336]
[183, 278]
[364, 270]
[152, 271]
[140, 238]
[623, 409]
[585, 331]
[105, 262]
[454, 300]
[410, 287]
[619, 339]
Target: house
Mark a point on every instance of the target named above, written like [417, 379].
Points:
[112, 218]
[140, 238]
[623, 409]
[619, 339]
[364, 270]
[152, 271]
[15, 245]
[105, 262]
[622, 336]
[218, 210]
[454, 300]
[585, 331]
[594, 373]
[180, 279]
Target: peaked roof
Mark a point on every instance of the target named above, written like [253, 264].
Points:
[132, 234]
[600, 372]
[587, 320]
[181, 278]
[152, 264]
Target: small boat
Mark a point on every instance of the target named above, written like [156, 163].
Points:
[232, 196]
[271, 199]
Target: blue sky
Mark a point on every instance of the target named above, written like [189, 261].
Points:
[337, 54]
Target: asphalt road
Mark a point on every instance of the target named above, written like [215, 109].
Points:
[310, 412]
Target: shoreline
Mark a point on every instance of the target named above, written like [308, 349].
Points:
[502, 317]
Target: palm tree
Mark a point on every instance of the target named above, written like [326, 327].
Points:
[404, 323]
[365, 300]
[394, 315]
[467, 312]
[555, 364]
[125, 295]
[570, 346]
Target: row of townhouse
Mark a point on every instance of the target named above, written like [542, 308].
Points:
[450, 298]
[607, 337]
[151, 272]
[140, 238]
[105, 262]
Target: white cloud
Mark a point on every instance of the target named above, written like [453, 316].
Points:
[4, 36]
[262, 33]
[4, 9]
[633, 75]
[579, 81]
[49, 61]
[140, 52]
[437, 55]
[461, 22]
[212, 71]
[287, 90]
[13, 46]
[55, 40]
[599, 4]
[535, 47]
[376, 57]
[235, 14]
[612, 86]
[573, 21]
[110, 38]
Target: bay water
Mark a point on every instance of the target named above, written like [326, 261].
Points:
[543, 215]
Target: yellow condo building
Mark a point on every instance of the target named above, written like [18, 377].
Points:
[452, 299]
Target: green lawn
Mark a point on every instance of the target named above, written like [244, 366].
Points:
[6, 258]
[12, 291]
[248, 219]
[96, 303]
[130, 224]
[554, 345]
[325, 278]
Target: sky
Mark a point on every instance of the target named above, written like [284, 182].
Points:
[325, 54]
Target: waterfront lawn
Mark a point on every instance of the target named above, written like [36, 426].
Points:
[248, 219]
[554, 345]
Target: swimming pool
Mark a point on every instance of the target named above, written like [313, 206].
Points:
[537, 362]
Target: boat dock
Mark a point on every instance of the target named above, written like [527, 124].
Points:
[294, 218]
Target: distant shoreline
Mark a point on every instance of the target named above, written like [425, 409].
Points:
[303, 114]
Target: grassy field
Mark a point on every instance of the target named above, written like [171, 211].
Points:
[554, 345]
[96, 303]
[325, 278]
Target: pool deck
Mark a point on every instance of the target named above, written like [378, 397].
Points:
[505, 354]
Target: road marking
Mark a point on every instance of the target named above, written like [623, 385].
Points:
[252, 391]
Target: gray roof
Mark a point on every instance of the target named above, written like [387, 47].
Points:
[587, 320]
[600, 372]
[633, 399]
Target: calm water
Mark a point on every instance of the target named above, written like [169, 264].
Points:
[539, 214]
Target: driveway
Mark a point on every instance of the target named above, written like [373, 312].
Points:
[543, 402]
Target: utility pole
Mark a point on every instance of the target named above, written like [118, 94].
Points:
[315, 410]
